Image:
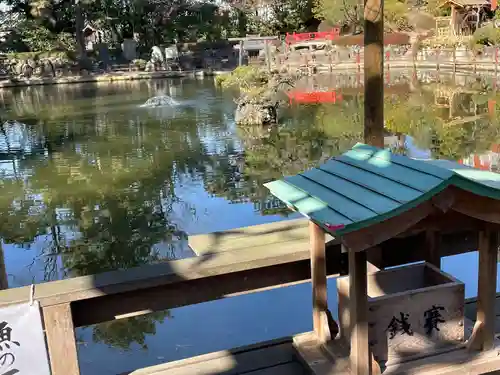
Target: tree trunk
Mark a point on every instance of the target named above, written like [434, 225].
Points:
[79, 25]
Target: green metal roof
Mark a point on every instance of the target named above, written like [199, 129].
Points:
[367, 185]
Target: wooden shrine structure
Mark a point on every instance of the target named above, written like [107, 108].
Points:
[404, 320]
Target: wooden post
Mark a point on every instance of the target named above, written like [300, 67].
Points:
[61, 342]
[438, 53]
[358, 305]
[4, 280]
[374, 73]
[240, 55]
[486, 293]
[432, 244]
[268, 56]
[318, 280]
[454, 60]
[496, 62]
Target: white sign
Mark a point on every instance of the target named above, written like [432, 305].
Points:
[171, 52]
[22, 342]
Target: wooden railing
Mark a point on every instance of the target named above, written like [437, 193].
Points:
[215, 274]
[394, 56]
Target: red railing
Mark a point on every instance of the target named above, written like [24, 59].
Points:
[317, 35]
[314, 97]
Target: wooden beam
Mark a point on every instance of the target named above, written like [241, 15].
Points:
[190, 292]
[360, 356]
[432, 248]
[486, 293]
[376, 234]
[4, 280]
[374, 73]
[318, 280]
[61, 342]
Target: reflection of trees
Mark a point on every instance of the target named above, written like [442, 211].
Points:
[97, 183]
[317, 132]
[122, 333]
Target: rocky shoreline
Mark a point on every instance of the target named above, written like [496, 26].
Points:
[108, 77]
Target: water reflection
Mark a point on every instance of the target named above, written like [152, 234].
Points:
[92, 182]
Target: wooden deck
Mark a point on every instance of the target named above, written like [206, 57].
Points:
[276, 357]
[334, 358]
[279, 357]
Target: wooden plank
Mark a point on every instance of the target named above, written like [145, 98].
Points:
[318, 281]
[292, 368]
[347, 207]
[171, 272]
[198, 290]
[255, 235]
[419, 165]
[385, 168]
[375, 202]
[432, 244]
[374, 235]
[165, 275]
[332, 359]
[488, 247]
[61, 342]
[470, 204]
[302, 202]
[371, 181]
[228, 362]
[457, 362]
[360, 357]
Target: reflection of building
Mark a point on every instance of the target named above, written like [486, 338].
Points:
[489, 160]
[465, 17]
[269, 204]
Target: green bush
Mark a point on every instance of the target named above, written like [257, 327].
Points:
[139, 63]
[246, 78]
[487, 35]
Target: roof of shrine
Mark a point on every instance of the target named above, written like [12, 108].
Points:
[367, 185]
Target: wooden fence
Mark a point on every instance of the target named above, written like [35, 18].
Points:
[221, 271]
[395, 56]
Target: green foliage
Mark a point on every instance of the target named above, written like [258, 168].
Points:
[247, 78]
[139, 63]
[38, 38]
[486, 36]
[343, 12]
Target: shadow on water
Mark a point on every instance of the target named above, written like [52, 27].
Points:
[90, 185]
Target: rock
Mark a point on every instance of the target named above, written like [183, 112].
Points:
[255, 114]
[150, 66]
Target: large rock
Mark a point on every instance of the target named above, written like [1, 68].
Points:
[255, 114]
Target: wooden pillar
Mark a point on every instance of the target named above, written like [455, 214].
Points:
[358, 304]
[240, 54]
[374, 73]
[318, 280]
[61, 342]
[486, 293]
[432, 245]
[4, 280]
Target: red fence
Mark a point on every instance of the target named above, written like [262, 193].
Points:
[314, 97]
[317, 35]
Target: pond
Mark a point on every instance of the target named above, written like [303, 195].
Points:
[91, 181]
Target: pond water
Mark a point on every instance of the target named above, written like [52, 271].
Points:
[91, 181]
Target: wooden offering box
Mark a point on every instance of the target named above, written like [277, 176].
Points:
[413, 311]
